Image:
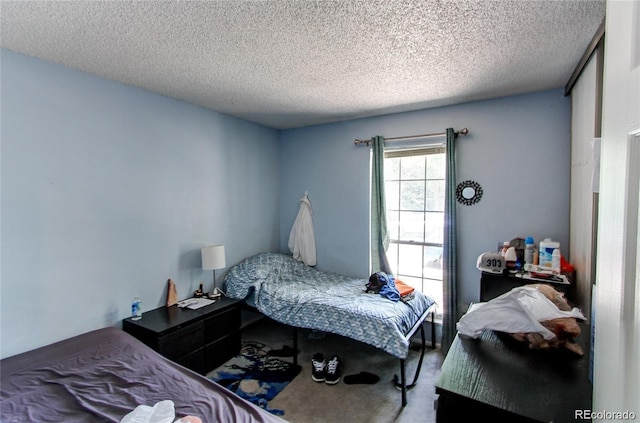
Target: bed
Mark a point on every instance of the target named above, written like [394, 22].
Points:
[103, 375]
[292, 293]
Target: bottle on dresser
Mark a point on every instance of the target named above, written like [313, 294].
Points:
[547, 247]
[136, 308]
[529, 250]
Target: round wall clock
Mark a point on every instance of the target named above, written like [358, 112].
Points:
[468, 192]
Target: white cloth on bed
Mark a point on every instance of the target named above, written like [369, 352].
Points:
[161, 412]
[302, 241]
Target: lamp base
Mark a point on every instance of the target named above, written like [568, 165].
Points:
[216, 293]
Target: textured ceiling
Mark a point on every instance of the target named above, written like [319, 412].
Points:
[293, 63]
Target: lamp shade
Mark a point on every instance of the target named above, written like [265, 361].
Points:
[213, 257]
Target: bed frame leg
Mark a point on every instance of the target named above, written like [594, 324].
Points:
[295, 345]
[402, 383]
[433, 330]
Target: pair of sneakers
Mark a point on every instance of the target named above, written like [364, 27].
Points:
[327, 371]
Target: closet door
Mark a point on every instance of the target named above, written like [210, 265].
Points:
[586, 100]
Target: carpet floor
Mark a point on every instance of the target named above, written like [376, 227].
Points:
[306, 401]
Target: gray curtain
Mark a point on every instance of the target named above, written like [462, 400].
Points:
[379, 235]
[450, 280]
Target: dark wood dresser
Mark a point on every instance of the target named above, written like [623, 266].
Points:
[496, 378]
[493, 285]
[200, 340]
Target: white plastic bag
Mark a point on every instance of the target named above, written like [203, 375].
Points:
[161, 412]
[518, 311]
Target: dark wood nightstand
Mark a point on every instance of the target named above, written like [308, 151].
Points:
[493, 285]
[500, 379]
[200, 340]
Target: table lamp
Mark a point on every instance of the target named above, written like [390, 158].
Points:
[212, 259]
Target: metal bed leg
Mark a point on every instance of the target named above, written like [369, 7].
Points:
[295, 345]
[433, 330]
[402, 383]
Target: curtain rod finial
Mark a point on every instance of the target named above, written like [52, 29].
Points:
[463, 131]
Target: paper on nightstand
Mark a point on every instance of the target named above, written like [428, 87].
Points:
[200, 302]
[195, 303]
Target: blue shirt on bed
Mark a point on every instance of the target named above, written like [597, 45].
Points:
[389, 289]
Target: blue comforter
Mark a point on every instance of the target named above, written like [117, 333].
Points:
[295, 294]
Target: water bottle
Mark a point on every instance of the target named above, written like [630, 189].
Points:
[555, 259]
[136, 308]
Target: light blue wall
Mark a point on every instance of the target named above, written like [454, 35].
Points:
[109, 190]
[518, 150]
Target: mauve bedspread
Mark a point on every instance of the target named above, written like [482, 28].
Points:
[101, 376]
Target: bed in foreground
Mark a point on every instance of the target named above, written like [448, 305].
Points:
[103, 375]
[300, 296]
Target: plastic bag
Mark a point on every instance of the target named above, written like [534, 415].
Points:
[518, 311]
[161, 412]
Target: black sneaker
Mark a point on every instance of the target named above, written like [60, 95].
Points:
[318, 368]
[334, 370]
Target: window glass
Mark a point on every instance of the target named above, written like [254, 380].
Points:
[411, 226]
[411, 281]
[434, 227]
[435, 166]
[392, 194]
[433, 288]
[415, 190]
[412, 195]
[433, 263]
[412, 167]
[410, 260]
[392, 168]
[393, 222]
[392, 256]
[434, 195]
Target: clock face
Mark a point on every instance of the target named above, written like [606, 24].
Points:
[491, 262]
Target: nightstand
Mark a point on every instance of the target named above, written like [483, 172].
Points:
[493, 285]
[200, 340]
[501, 379]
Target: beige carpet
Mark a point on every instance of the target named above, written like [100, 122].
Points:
[306, 401]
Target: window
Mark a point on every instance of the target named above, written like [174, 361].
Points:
[415, 189]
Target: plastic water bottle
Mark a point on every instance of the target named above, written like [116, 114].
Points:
[529, 249]
[136, 308]
[555, 259]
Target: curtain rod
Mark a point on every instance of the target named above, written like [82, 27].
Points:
[463, 131]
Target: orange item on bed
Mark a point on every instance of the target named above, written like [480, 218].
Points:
[403, 288]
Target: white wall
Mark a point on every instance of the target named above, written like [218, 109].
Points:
[109, 190]
[617, 289]
[518, 150]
